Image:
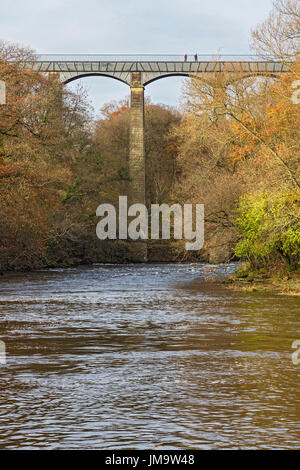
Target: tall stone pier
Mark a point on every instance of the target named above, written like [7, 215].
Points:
[137, 154]
[137, 146]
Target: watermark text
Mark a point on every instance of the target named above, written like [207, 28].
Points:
[2, 92]
[296, 95]
[2, 353]
[188, 222]
[296, 354]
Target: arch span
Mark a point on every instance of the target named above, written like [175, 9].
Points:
[93, 74]
[174, 74]
[254, 75]
[205, 77]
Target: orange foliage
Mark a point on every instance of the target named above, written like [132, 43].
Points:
[276, 130]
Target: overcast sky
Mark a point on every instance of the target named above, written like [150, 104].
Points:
[129, 27]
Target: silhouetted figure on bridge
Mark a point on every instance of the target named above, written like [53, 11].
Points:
[196, 57]
[185, 58]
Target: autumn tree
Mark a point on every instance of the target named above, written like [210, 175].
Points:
[39, 142]
[240, 139]
[279, 35]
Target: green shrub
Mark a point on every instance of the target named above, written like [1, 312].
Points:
[269, 227]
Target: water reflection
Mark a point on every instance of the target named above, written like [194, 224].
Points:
[145, 356]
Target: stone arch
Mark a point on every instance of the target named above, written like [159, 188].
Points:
[174, 74]
[204, 76]
[244, 76]
[93, 74]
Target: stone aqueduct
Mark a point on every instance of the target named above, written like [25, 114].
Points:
[137, 72]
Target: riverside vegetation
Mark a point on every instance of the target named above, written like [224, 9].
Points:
[233, 148]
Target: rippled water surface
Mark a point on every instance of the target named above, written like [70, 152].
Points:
[145, 356]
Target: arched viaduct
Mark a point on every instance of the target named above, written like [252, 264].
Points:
[137, 72]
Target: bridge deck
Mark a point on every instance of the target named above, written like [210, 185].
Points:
[149, 58]
[152, 67]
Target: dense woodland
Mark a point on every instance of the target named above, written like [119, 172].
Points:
[234, 147]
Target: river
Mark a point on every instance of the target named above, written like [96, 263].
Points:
[146, 357]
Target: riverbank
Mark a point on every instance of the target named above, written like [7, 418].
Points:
[89, 250]
[282, 282]
[120, 252]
